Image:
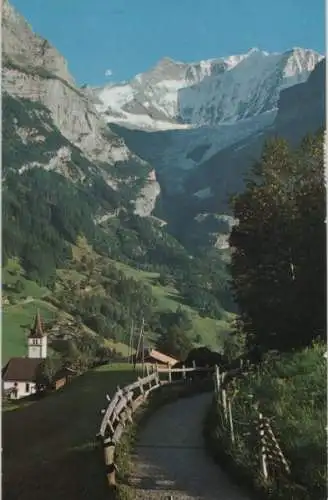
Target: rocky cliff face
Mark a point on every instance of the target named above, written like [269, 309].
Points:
[23, 47]
[301, 108]
[35, 71]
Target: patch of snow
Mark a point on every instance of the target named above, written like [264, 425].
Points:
[175, 95]
[204, 193]
[29, 166]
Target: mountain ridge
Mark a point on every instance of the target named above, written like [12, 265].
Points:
[173, 94]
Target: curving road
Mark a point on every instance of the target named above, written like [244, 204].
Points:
[170, 460]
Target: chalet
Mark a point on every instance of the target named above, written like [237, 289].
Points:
[151, 356]
[19, 374]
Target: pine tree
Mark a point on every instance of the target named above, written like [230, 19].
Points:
[278, 247]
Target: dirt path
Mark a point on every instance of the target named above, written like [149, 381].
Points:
[170, 460]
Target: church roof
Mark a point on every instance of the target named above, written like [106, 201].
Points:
[37, 330]
[21, 369]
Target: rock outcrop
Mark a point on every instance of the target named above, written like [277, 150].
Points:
[36, 71]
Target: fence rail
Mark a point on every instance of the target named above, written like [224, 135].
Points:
[271, 457]
[125, 402]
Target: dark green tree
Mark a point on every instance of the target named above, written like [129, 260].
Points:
[175, 342]
[278, 247]
[46, 372]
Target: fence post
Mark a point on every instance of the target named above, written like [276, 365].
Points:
[109, 451]
[264, 466]
[224, 397]
[147, 375]
[157, 375]
[232, 433]
[217, 382]
[170, 374]
[141, 386]
[184, 372]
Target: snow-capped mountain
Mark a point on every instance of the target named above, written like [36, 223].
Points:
[175, 95]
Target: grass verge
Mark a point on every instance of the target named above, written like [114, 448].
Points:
[291, 390]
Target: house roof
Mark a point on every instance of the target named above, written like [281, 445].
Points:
[21, 369]
[162, 358]
[37, 330]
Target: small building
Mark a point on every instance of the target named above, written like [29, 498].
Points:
[19, 377]
[19, 374]
[62, 377]
[152, 356]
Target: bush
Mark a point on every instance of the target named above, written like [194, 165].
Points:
[291, 391]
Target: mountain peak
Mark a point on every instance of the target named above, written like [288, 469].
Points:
[209, 92]
[166, 60]
[253, 50]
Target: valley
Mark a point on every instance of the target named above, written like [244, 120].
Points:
[173, 215]
[151, 202]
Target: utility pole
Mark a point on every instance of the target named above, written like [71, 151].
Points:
[131, 343]
[140, 342]
[143, 347]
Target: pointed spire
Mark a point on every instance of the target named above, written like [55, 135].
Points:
[37, 331]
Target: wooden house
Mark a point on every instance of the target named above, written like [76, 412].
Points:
[152, 356]
[63, 377]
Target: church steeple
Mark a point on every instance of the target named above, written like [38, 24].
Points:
[37, 330]
[37, 340]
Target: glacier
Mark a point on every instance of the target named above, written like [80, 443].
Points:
[174, 95]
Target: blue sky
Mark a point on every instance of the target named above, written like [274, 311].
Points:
[126, 37]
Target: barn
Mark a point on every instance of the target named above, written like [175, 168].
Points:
[152, 356]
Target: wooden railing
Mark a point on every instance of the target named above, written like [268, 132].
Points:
[125, 402]
[271, 458]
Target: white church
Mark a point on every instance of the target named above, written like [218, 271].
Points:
[19, 374]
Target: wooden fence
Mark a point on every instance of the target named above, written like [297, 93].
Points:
[271, 457]
[125, 402]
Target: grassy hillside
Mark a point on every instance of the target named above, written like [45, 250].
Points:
[23, 299]
[16, 321]
[59, 458]
[211, 331]
[19, 308]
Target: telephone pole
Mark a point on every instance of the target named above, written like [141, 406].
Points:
[140, 344]
[143, 347]
[131, 343]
